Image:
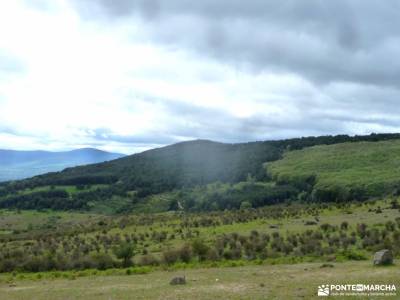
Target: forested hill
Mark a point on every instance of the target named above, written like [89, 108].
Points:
[188, 164]
[186, 167]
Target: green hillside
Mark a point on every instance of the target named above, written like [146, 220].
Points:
[204, 175]
[343, 171]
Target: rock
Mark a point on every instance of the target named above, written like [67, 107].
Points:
[308, 223]
[383, 257]
[326, 266]
[178, 280]
[273, 226]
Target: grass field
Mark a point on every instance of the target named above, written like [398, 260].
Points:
[70, 189]
[298, 281]
[32, 239]
[13, 221]
[374, 167]
[149, 229]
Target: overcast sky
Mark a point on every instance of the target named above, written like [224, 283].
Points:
[128, 75]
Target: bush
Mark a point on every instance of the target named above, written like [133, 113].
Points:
[344, 225]
[245, 205]
[354, 255]
[170, 256]
[148, 260]
[213, 254]
[200, 248]
[7, 265]
[34, 264]
[125, 252]
[103, 261]
[186, 253]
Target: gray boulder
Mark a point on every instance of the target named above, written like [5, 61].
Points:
[383, 257]
[178, 280]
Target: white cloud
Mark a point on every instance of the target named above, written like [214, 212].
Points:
[131, 82]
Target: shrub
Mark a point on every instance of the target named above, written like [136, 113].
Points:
[390, 225]
[103, 261]
[7, 265]
[186, 253]
[245, 205]
[213, 255]
[148, 260]
[125, 252]
[344, 225]
[394, 204]
[200, 248]
[354, 255]
[170, 256]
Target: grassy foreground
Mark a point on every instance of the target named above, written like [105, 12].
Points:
[299, 281]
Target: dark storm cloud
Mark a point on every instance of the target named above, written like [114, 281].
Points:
[323, 41]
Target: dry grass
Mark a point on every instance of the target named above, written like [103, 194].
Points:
[251, 282]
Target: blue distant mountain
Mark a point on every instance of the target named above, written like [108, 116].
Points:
[23, 164]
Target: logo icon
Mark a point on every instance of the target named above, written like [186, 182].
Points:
[360, 288]
[323, 290]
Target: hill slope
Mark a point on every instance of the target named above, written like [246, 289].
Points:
[190, 163]
[23, 164]
[183, 164]
[186, 170]
[343, 171]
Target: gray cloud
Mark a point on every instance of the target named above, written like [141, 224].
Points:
[343, 53]
[323, 41]
[105, 134]
[346, 49]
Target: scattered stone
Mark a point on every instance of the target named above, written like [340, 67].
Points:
[326, 266]
[308, 223]
[383, 257]
[178, 280]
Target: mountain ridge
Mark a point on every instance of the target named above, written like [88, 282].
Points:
[20, 164]
[201, 174]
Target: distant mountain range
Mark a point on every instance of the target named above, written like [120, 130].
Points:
[23, 164]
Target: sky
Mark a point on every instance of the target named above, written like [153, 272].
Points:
[130, 75]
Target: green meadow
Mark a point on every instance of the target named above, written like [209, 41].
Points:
[372, 168]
